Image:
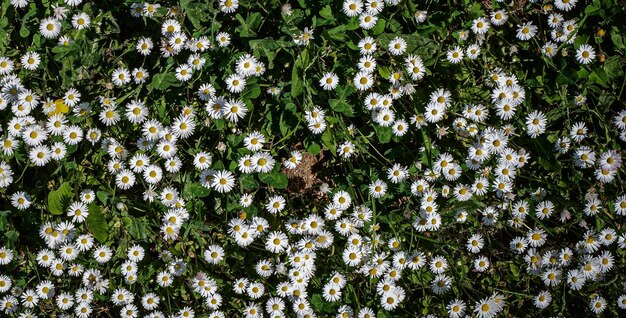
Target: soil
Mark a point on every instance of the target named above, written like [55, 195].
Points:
[304, 178]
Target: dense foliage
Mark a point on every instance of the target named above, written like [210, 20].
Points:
[345, 158]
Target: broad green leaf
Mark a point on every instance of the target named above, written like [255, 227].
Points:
[97, 223]
[297, 73]
[613, 67]
[314, 148]
[275, 178]
[59, 198]
[599, 76]
[379, 27]
[248, 181]
[251, 92]
[384, 134]
[138, 228]
[25, 29]
[341, 106]
[102, 196]
[195, 190]
[617, 38]
[163, 81]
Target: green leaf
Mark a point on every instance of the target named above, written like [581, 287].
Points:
[97, 223]
[138, 228]
[327, 140]
[102, 196]
[599, 76]
[591, 10]
[25, 30]
[253, 91]
[613, 67]
[327, 16]
[567, 76]
[314, 148]
[3, 220]
[338, 33]
[297, 73]
[384, 72]
[384, 134]
[58, 198]
[616, 37]
[248, 181]
[163, 81]
[276, 179]
[341, 106]
[282, 124]
[195, 190]
[379, 27]
[196, 13]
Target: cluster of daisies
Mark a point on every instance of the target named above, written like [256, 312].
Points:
[342, 230]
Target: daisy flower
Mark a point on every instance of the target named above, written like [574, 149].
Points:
[363, 81]
[50, 28]
[597, 305]
[223, 181]
[543, 299]
[346, 149]
[304, 37]
[72, 97]
[235, 83]
[475, 243]
[214, 254]
[254, 141]
[486, 308]
[367, 45]
[30, 60]
[374, 7]
[397, 46]
[125, 179]
[223, 39]
[456, 308]
[183, 127]
[420, 16]
[6, 65]
[585, 54]
[39, 155]
[352, 8]
[329, 81]
[229, 6]
[555, 19]
[472, 51]
[164, 279]
[121, 76]
[184, 72]
[526, 31]
[377, 189]
[331, 292]
[455, 55]
[565, 5]
[140, 75]
[535, 123]
[78, 212]
[367, 21]
[102, 254]
[480, 25]
[81, 21]
[144, 46]
[275, 204]
[246, 200]
[293, 161]
[549, 49]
